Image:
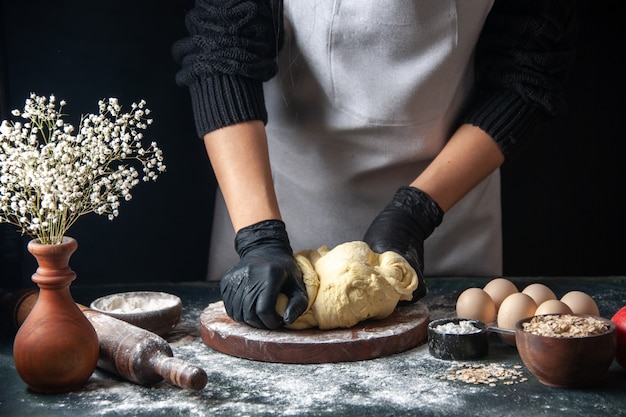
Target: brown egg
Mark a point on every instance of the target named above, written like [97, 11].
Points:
[539, 293]
[475, 303]
[553, 307]
[514, 308]
[498, 289]
[581, 303]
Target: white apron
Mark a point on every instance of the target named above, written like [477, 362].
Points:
[366, 95]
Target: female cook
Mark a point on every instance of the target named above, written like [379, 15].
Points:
[409, 107]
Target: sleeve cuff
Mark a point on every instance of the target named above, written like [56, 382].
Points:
[507, 118]
[222, 100]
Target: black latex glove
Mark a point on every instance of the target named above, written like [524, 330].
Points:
[403, 226]
[265, 269]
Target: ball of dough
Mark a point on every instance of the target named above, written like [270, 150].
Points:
[349, 284]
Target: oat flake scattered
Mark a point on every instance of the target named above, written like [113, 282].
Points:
[487, 374]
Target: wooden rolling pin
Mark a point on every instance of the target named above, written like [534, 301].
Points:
[126, 350]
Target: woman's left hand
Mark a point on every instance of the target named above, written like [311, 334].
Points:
[403, 226]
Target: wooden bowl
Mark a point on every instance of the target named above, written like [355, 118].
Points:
[567, 361]
[158, 312]
[455, 346]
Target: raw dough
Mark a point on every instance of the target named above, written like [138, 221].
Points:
[349, 284]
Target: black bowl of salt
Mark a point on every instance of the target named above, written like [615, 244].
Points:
[457, 339]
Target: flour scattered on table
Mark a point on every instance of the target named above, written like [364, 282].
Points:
[401, 384]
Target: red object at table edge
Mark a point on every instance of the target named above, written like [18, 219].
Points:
[619, 319]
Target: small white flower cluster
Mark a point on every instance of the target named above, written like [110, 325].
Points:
[50, 176]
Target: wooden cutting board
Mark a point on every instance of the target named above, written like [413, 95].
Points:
[404, 329]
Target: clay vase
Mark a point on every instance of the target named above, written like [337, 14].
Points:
[56, 348]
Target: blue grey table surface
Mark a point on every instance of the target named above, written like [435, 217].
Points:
[404, 384]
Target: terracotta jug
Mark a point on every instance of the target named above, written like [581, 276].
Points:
[56, 348]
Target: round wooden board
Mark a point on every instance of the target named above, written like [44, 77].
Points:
[404, 329]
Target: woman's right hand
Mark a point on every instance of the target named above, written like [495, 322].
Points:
[266, 268]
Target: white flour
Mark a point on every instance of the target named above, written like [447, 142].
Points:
[239, 387]
[462, 327]
[135, 303]
[408, 384]
[396, 385]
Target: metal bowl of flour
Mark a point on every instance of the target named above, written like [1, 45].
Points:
[158, 312]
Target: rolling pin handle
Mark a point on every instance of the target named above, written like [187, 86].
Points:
[182, 374]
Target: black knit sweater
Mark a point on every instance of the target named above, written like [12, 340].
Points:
[522, 58]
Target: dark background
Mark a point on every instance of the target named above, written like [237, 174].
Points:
[562, 215]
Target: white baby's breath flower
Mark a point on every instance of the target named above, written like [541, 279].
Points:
[50, 177]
